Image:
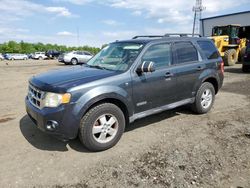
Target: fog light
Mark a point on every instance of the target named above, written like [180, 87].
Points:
[51, 125]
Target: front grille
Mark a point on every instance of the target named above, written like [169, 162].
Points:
[35, 96]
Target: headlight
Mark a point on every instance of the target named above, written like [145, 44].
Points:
[55, 99]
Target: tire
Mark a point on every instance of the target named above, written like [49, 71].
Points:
[245, 68]
[201, 105]
[40, 58]
[74, 61]
[242, 53]
[12, 59]
[230, 57]
[106, 111]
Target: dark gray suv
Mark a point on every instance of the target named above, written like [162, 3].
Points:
[127, 80]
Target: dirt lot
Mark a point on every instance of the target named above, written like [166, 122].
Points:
[171, 149]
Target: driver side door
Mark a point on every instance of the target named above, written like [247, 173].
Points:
[155, 89]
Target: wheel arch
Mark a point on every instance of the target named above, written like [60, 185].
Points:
[214, 82]
[112, 100]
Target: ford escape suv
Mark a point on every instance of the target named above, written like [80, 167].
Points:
[125, 81]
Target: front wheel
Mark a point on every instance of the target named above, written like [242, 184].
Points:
[102, 127]
[204, 98]
[230, 57]
[74, 61]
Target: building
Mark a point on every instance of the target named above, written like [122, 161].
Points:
[240, 18]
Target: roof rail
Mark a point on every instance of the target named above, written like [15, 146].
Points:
[181, 35]
[148, 36]
[168, 35]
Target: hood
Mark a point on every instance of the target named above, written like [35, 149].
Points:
[60, 81]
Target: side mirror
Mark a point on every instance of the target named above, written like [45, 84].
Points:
[146, 66]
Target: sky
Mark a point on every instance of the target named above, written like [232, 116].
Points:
[97, 22]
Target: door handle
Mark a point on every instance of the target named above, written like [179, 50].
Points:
[169, 75]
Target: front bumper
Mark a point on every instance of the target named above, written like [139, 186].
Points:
[68, 123]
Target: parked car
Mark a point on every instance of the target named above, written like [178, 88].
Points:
[39, 55]
[16, 56]
[53, 54]
[1, 57]
[246, 62]
[75, 57]
[29, 56]
[125, 81]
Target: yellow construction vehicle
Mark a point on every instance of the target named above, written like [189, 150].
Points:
[230, 46]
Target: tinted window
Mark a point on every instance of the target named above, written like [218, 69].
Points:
[185, 52]
[209, 49]
[87, 53]
[159, 54]
[248, 48]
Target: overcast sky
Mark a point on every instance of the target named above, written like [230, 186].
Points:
[101, 21]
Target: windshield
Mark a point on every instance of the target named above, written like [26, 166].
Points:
[116, 56]
[231, 31]
[218, 31]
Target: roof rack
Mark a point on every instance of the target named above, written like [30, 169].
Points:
[148, 36]
[168, 35]
[181, 35]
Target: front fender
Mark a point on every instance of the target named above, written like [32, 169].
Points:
[100, 93]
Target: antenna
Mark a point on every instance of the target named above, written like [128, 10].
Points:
[197, 9]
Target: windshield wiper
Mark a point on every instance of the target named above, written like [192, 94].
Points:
[98, 67]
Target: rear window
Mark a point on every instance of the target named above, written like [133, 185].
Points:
[185, 52]
[209, 49]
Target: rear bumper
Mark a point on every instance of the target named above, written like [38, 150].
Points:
[68, 124]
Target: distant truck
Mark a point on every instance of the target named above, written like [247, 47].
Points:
[231, 47]
[39, 55]
[53, 54]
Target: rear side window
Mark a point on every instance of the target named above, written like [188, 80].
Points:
[209, 49]
[160, 54]
[87, 53]
[185, 52]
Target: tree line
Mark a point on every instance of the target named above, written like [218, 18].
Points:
[27, 48]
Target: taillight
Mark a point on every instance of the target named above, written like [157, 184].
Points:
[222, 67]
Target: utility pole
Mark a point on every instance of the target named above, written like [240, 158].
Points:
[197, 9]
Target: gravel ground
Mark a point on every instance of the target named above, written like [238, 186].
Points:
[173, 149]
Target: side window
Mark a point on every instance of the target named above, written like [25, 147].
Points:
[185, 52]
[209, 49]
[87, 53]
[160, 54]
[78, 53]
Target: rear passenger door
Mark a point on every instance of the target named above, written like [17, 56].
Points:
[189, 66]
